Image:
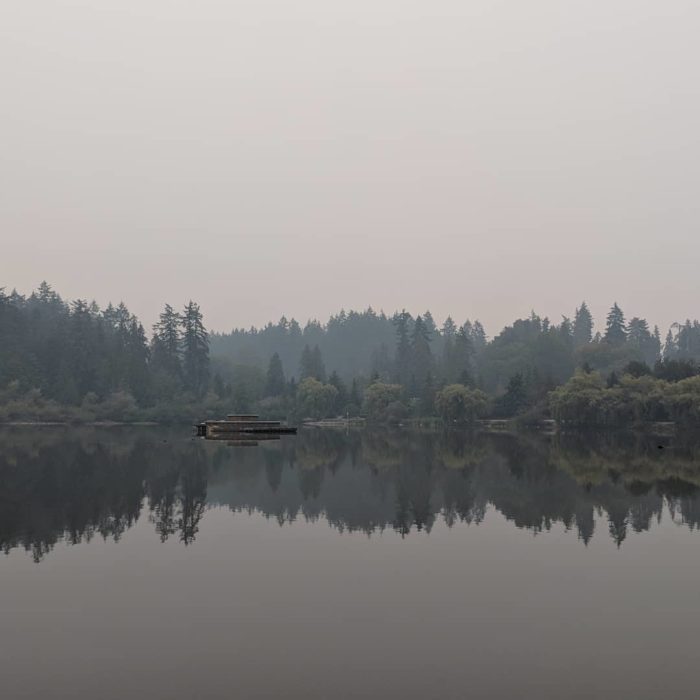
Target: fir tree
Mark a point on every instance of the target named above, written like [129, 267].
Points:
[478, 337]
[195, 350]
[137, 355]
[615, 331]
[515, 397]
[276, 381]
[639, 338]
[583, 326]
[381, 362]
[657, 342]
[670, 347]
[638, 332]
[311, 365]
[448, 345]
[318, 365]
[403, 348]
[306, 369]
[421, 356]
[464, 354]
[166, 343]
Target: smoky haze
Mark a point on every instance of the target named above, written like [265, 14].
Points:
[477, 158]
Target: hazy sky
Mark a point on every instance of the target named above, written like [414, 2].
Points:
[474, 157]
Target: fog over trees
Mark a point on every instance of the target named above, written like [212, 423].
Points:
[74, 360]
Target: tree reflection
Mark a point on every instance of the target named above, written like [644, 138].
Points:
[72, 484]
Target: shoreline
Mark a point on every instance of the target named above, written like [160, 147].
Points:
[546, 427]
[76, 424]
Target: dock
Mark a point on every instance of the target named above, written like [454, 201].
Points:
[234, 426]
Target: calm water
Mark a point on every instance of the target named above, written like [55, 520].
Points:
[143, 564]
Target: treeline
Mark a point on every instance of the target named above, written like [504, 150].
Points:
[62, 360]
[401, 367]
[74, 360]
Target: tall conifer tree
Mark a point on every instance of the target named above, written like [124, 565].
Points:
[615, 330]
[583, 326]
[276, 383]
[195, 350]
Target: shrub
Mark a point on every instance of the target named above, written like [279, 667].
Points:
[458, 403]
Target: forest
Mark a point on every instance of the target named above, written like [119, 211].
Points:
[73, 361]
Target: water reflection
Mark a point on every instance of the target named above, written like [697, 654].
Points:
[74, 484]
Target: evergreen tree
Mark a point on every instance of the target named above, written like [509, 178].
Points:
[463, 361]
[686, 341]
[615, 330]
[381, 362]
[195, 350]
[657, 342]
[429, 323]
[421, 356]
[670, 348]
[583, 326]
[449, 328]
[640, 339]
[478, 337]
[448, 346]
[46, 295]
[318, 364]
[311, 365]
[83, 358]
[638, 332]
[137, 355]
[306, 368]
[276, 382]
[403, 348]
[566, 329]
[166, 343]
[515, 398]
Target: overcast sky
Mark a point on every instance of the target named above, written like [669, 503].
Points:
[475, 157]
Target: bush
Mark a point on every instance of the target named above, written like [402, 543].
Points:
[119, 406]
[457, 403]
[379, 397]
[585, 400]
[315, 399]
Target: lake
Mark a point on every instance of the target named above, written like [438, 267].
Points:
[143, 563]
